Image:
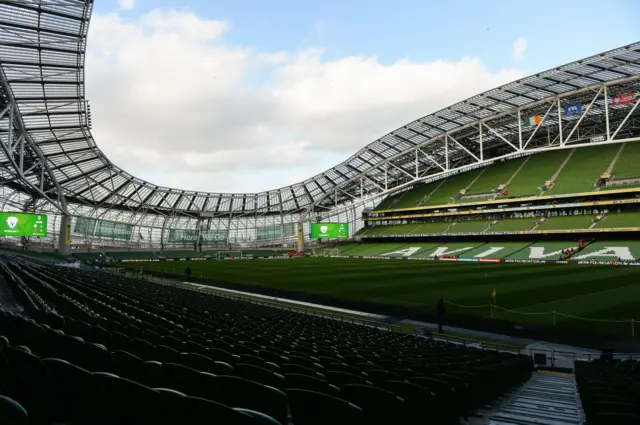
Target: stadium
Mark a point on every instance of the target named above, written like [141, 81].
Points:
[516, 210]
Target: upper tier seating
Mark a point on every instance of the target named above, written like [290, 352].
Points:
[613, 220]
[628, 164]
[583, 169]
[452, 186]
[536, 172]
[494, 176]
[527, 176]
[409, 198]
[136, 352]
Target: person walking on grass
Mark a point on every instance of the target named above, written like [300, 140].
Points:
[441, 312]
[187, 273]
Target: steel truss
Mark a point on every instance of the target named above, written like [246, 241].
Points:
[50, 162]
[504, 136]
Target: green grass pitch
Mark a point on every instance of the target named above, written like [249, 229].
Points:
[591, 292]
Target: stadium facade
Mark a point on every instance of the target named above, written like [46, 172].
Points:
[50, 163]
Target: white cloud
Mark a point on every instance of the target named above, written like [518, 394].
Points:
[173, 103]
[127, 4]
[519, 47]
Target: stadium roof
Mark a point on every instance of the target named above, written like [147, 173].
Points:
[42, 55]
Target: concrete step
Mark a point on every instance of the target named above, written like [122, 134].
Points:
[546, 399]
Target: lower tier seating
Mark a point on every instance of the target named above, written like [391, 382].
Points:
[609, 391]
[103, 349]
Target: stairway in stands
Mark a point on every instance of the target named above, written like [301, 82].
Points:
[548, 398]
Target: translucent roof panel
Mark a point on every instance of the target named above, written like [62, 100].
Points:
[42, 51]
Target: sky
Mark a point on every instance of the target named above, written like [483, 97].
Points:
[250, 95]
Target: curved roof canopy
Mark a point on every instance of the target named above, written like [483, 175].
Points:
[42, 54]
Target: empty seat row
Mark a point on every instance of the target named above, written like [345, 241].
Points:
[196, 344]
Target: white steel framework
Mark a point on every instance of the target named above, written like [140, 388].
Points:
[50, 163]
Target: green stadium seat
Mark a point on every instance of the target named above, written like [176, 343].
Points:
[75, 395]
[538, 169]
[12, 413]
[567, 222]
[132, 402]
[379, 406]
[311, 383]
[583, 169]
[259, 418]
[616, 220]
[627, 167]
[199, 410]
[261, 375]
[314, 408]
[494, 176]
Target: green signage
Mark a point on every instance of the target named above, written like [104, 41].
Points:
[102, 228]
[329, 230]
[22, 224]
[195, 236]
[276, 232]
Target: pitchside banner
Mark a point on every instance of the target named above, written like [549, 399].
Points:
[194, 236]
[105, 229]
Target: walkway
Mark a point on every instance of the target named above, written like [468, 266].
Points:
[546, 399]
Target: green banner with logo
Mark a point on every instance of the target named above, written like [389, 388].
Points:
[102, 228]
[195, 236]
[276, 232]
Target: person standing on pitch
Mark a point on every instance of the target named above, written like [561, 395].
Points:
[441, 312]
[187, 273]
